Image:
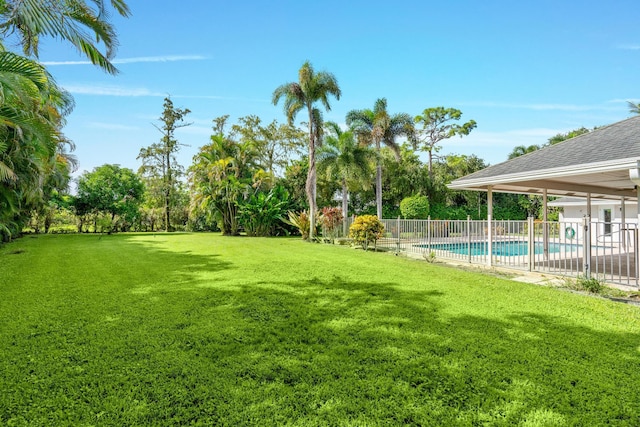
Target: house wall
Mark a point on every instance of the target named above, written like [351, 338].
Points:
[576, 213]
[572, 216]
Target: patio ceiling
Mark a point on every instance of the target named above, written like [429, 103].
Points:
[596, 164]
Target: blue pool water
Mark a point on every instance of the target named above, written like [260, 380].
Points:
[506, 248]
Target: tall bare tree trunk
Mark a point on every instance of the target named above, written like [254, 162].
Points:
[167, 194]
[311, 179]
[378, 182]
[345, 207]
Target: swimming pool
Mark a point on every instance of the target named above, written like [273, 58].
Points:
[501, 248]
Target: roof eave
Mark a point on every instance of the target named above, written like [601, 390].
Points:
[583, 169]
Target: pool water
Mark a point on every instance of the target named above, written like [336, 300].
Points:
[504, 248]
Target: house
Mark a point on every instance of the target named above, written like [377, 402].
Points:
[602, 166]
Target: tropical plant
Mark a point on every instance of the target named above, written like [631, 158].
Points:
[81, 23]
[33, 157]
[376, 127]
[521, 150]
[437, 126]
[221, 175]
[342, 159]
[261, 212]
[310, 88]
[302, 221]
[34, 161]
[330, 219]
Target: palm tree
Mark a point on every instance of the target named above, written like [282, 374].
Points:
[310, 88]
[521, 150]
[341, 157]
[79, 22]
[378, 127]
[221, 175]
[633, 107]
[32, 148]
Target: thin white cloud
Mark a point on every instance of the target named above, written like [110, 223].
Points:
[110, 91]
[223, 98]
[539, 107]
[628, 46]
[165, 58]
[623, 101]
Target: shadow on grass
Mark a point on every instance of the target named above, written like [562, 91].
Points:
[335, 352]
[163, 266]
[316, 351]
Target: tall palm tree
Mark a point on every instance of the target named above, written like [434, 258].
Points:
[80, 22]
[341, 158]
[310, 88]
[376, 127]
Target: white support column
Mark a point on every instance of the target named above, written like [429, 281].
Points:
[623, 231]
[545, 225]
[586, 247]
[490, 226]
[531, 242]
[586, 256]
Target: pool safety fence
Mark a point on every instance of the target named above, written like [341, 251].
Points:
[604, 250]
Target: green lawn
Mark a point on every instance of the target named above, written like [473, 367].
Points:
[198, 329]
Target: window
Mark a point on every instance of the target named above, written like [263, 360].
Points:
[607, 221]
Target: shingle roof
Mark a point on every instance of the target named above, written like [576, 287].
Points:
[620, 140]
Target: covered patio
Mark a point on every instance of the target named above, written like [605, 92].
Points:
[602, 164]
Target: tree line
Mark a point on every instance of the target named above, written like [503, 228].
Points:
[253, 176]
[250, 176]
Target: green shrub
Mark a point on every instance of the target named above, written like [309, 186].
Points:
[302, 222]
[366, 229]
[415, 207]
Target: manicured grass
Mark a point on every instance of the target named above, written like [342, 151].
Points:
[198, 329]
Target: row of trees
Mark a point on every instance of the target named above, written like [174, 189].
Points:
[373, 127]
[250, 175]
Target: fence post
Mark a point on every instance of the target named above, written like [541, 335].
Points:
[531, 244]
[586, 245]
[398, 231]
[429, 233]
[469, 236]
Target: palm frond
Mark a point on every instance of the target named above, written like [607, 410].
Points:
[74, 21]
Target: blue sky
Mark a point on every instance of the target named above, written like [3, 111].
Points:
[523, 71]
